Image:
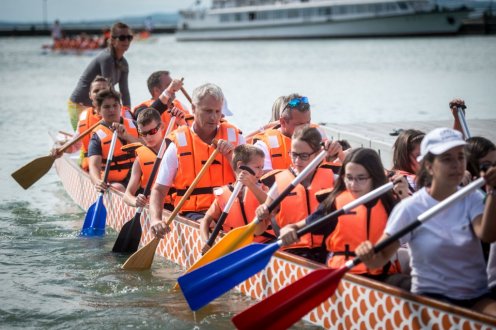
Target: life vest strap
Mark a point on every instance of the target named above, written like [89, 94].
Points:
[196, 191]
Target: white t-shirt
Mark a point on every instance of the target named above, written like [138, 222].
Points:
[170, 163]
[446, 256]
[491, 267]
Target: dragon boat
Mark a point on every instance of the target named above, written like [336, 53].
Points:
[359, 303]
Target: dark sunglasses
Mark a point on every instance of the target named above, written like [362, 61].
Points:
[302, 156]
[153, 131]
[122, 38]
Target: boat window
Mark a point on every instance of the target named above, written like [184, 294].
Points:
[251, 16]
[326, 11]
[402, 5]
[293, 13]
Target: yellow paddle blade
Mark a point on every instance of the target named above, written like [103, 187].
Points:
[143, 258]
[232, 241]
[33, 171]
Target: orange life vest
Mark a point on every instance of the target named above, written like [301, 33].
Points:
[279, 146]
[301, 202]
[126, 112]
[192, 153]
[352, 229]
[146, 159]
[121, 161]
[166, 116]
[87, 118]
[242, 210]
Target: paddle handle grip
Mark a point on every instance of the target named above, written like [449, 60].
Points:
[158, 160]
[225, 213]
[463, 123]
[346, 209]
[79, 137]
[474, 185]
[110, 156]
[193, 186]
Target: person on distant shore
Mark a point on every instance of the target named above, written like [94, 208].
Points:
[189, 149]
[158, 82]
[276, 142]
[243, 208]
[406, 149]
[108, 105]
[446, 254]
[111, 64]
[152, 130]
[56, 31]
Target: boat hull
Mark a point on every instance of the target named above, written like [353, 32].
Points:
[359, 303]
[433, 23]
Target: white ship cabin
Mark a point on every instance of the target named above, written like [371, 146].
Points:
[239, 13]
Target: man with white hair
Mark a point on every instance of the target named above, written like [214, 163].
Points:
[189, 149]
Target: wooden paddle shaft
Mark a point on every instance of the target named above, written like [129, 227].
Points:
[79, 137]
[193, 186]
[186, 95]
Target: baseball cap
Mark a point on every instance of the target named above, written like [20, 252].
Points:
[440, 140]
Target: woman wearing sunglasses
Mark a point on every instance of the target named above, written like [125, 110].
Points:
[306, 143]
[111, 64]
[446, 254]
[362, 172]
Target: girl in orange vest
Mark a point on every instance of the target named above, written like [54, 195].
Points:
[406, 149]
[302, 201]
[243, 209]
[362, 172]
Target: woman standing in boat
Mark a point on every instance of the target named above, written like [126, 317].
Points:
[110, 64]
[446, 255]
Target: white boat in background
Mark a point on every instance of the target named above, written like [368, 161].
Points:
[280, 19]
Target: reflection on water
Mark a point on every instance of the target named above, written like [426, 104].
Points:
[49, 277]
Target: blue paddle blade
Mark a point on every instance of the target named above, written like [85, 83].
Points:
[206, 283]
[94, 222]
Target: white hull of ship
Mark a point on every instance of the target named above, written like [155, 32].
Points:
[433, 23]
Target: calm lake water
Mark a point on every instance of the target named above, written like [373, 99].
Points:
[49, 278]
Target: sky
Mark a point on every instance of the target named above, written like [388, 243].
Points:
[78, 10]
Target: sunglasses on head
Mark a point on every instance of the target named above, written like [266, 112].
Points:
[153, 131]
[122, 38]
[297, 101]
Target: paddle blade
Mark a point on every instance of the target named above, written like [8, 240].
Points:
[287, 306]
[33, 171]
[129, 236]
[94, 222]
[232, 241]
[143, 258]
[206, 283]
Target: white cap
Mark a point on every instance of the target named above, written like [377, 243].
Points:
[440, 140]
[225, 108]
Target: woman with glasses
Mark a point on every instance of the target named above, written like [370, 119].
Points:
[446, 254]
[306, 143]
[111, 64]
[362, 172]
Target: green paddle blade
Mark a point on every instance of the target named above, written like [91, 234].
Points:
[33, 171]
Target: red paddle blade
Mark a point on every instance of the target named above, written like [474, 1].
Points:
[289, 305]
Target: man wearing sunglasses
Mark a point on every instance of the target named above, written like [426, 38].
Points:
[111, 64]
[108, 105]
[152, 130]
[276, 142]
[189, 149]
[158, 82]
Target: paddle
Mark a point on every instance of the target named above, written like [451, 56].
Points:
[285, 307]
[143, 258]
[242, 236]
[94, 222]
[130, 234]
[463, 123]
[186, 95]
[210, 281]
[34, 170]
